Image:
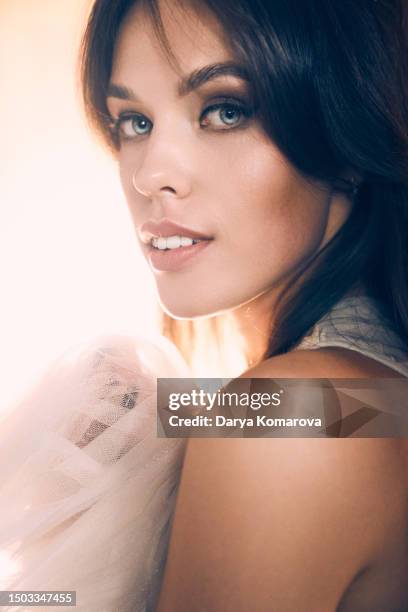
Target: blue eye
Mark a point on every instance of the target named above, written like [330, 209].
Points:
[224, 115]
[132, 125]
[219, 116]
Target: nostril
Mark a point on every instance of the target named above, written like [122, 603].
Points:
[151, 184]
[170, 189]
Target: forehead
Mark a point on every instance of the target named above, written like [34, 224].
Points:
[195, 37]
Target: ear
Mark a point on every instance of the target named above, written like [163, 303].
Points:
[348, 182]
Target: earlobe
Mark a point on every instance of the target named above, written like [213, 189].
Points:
[349, 186]
[354, 186]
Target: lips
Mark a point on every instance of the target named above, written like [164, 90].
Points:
[165, 227]
[176, 260]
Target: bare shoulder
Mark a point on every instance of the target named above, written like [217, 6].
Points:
[353, 453]
[281, 524]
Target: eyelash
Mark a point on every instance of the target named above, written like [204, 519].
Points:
[246, 112]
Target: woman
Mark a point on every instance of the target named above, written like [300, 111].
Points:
[262, 149]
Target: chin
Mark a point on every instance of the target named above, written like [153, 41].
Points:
[189, 308]
[184, 311]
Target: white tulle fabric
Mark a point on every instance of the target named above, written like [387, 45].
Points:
[87, 489]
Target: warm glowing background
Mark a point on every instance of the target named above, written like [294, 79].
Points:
[69, 261]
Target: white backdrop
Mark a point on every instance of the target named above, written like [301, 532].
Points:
[69, 261]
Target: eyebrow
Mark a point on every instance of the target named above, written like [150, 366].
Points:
[189, 83]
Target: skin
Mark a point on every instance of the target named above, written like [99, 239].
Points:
[228, 181]
[325, 542]
[317, 525]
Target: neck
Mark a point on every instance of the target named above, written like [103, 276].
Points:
[255, 321]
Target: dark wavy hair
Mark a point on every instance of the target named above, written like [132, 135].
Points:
[330, 80]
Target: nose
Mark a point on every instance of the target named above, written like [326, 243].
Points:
[163, 169]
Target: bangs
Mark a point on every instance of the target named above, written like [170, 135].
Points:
[322, 80]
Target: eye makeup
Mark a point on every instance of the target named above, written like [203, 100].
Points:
[226, 102]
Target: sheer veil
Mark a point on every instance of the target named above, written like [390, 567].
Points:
[87, 490]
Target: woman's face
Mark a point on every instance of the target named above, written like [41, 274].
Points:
[191, 153]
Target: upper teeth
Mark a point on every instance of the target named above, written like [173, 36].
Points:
[172, 242]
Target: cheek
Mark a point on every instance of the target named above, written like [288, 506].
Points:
[265, 207]
[267, 220]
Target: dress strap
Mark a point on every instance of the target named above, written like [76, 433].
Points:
[356, 323]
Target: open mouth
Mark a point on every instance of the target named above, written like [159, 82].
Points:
[171, 243]
[172, 253]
